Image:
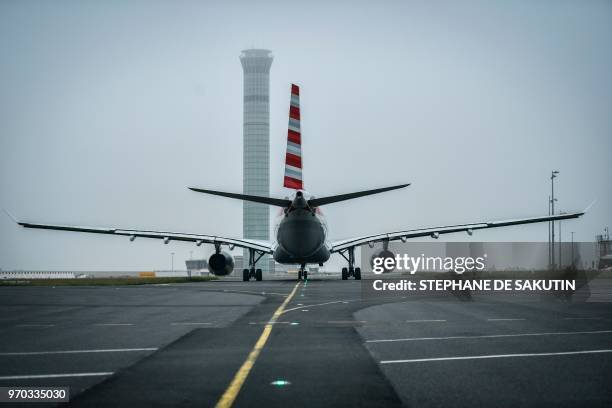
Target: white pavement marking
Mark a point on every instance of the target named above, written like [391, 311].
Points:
[425, 321]
[189, 323]
[254, 292]
[319, 304]
[37, 353]
[582, 318]
[346, 321]
[489, 336]
[505, 319]
[113, 324]
[563, 353]
[34, 325]
[27, 377]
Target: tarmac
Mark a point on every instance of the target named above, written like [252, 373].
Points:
[183, 344]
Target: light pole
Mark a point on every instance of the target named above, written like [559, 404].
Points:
[572, 249]
[553, 175]
[606, 242]
[549, 257]
[561, 243]
[172, 262]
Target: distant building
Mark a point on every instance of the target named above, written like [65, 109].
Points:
[256, 65]
[238, 263]
[37, 275]
[280, 268]
[196, 264]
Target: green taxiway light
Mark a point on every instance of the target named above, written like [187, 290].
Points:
[280, 383]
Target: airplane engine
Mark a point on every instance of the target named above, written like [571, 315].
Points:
[383, 253]
[221, 264]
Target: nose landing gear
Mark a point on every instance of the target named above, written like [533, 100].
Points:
[303, 273]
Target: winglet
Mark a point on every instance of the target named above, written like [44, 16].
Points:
[11, 216]
[590, 205]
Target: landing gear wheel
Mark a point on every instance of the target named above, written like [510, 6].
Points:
[299, 275]
[349, 255]
[258, 275]
[305, 275]
[245, 275]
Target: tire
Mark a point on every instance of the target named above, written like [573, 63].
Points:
[344, 274]
[245, 275]
[357, 273]
[305, 275]
[258, 276]
[351, 271]
[299, 275]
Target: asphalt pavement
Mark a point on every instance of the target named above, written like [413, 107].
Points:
[182, 344]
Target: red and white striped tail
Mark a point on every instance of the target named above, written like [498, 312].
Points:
[293, 158]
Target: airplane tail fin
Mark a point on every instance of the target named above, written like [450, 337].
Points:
[293, 158]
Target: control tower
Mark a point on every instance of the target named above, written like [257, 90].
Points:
[256, 65]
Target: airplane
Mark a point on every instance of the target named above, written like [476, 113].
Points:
[301, 230]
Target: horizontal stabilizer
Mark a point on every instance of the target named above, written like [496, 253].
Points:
[315, 202]
[256, 199]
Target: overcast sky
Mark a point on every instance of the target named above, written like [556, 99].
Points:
[109, 110]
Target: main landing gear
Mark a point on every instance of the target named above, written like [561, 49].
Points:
[303, 273]
[247, 274]
[251, 272]
[351, 270]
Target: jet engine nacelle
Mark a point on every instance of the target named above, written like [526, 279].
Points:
[383, 253]
[221, 264]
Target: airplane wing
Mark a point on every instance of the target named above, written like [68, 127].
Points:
[435, 232]
[199, 239]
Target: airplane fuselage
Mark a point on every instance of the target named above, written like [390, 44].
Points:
[301, 234]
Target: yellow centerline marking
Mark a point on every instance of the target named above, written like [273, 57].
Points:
[230, 394]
